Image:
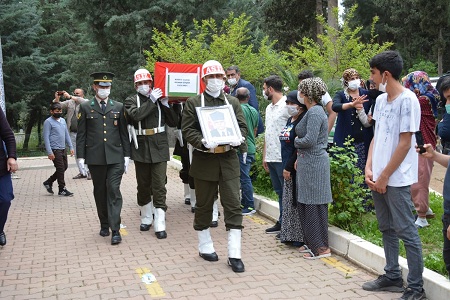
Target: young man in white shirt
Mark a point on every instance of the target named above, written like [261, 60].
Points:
[391, 169]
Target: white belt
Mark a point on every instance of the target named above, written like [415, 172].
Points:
[151, 131]
[218, 149]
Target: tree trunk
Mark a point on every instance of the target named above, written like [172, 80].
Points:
[319, 27]
[440, 52]
[31, 121]
[332, 19]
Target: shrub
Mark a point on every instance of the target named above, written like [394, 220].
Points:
[347, 187]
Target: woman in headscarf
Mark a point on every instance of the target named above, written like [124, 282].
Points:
[313, 170]
[419, 83]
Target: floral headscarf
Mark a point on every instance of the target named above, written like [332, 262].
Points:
[419, 83]
[313, 88]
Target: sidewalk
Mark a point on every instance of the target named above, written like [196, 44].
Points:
[54, 252]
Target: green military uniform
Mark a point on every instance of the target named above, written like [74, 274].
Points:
[153, 147]
[214, 170]
[102, 140]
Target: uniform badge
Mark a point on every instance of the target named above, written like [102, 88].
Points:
[79, 115]
[115, 122]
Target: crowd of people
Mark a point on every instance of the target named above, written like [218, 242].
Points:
[382, 117]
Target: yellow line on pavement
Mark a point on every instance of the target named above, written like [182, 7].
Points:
[151, 284]
[257, 220]
[339, 265]
[123, 231]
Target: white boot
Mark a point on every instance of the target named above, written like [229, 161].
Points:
[146, 217]
[160, 223]
[187, 194]
[234, 250]
[205, 246]
[193, 199]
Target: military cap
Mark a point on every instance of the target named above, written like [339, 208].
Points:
[102, 78]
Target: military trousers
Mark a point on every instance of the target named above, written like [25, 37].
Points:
[151, 181]
[108, 198]
[205, 192]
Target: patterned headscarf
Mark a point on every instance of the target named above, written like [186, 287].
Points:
[349, 73]
[419, 83]
[313, 88]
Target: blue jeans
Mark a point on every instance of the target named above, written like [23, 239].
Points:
[6, 195]
[396, 221]
[276, 176]
[246, 182]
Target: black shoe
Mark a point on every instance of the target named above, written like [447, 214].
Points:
[274, 229]
[382, 283]
[2, 239]
[187, 201]
[209, 256]
[145, 227]
[65, 192]
[214, 224]
[116, 238]
[104, 232]
[161, 234]
[192, 209]
[48, 187]
[79, 176]
[236, 265]
[410, 294]
[278, 236]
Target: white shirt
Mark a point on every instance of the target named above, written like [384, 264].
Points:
[392, 118]
[276, 118]
[326, 99]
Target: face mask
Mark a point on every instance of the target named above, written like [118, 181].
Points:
[57, 115]
[214, 85]
[232, 81]
[143, 89]
[382, 87]
[353, 84]
[300, 99]
[103, 93]
[292, 110]
[447, 108]
[264, 95]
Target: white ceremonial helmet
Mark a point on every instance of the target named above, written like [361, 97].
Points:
[212, 67]
[141, 75]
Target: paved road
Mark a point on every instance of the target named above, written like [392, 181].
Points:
[54, 252]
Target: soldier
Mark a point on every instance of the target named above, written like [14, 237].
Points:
[102, 142]
[215, 166]
[149, 113]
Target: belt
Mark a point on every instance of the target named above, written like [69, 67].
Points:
[151, 131]
[217, 150]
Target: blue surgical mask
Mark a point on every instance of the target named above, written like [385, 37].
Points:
[447, 108]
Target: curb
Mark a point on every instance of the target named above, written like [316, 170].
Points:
[355, 249]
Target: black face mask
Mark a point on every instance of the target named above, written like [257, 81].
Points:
[57, 115]
[373, 93]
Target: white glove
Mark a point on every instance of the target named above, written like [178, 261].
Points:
[81, 164]
[165, 102]
[210, 145]
[155, 94]
[126, 162]
[244, 158]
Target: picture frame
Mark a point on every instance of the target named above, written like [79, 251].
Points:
[219, 124]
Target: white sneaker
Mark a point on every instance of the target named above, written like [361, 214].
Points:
[430, 213]
[421, 223]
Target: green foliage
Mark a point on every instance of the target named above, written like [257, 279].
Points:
[337, 50]
[262, 184]
[426, 66]
[228, 43]
[347, 187]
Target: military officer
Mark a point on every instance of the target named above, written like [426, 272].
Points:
[149, 113]
[215, 167]
[102, 143]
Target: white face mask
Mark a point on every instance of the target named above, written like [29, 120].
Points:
[381, 86]
[300, 99]
[232, 81]
[143, 89]
[265, 96]
[214, 85]
[103, 93]
[354, 84]
[292, 110]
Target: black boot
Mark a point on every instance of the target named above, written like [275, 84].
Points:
[116, 238]
[236, 265]
[2, 239]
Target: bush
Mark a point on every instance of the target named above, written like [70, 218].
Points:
[347, 187]
[262, 184]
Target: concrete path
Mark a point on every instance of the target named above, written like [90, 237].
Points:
[54, 252]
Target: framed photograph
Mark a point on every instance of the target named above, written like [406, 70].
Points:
[219, 124]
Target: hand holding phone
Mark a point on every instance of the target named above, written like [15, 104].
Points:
[420, 142]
